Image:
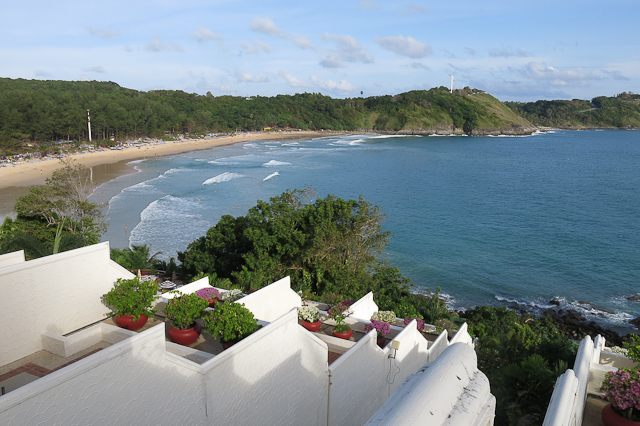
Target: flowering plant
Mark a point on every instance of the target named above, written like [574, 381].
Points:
[622, 389]
[232, 295]
[183, 309]
[208, 293]
[230, 321]
[419, 321]
[131, 297]
[385, 316]
[339, 312]
[309, 313]
[381, 327]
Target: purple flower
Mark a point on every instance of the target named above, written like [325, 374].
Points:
[380, 326]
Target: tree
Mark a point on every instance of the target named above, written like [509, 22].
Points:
[63, 200]
[138, 257]
[335, 241]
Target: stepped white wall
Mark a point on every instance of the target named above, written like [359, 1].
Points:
[59, 294]
[11, 258]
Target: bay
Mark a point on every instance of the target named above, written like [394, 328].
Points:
[490, 220]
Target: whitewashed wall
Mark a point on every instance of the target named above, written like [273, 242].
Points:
[364, 308]
[59, 294]
[277, 376]
[364, 376]
[448, 391]
[9, 259]
[273, 301]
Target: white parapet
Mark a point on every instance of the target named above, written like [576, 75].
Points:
[448, 391]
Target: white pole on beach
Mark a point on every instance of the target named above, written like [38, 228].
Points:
[89, 124]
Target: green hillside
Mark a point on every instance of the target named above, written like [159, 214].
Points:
[35, 111]
[619, 112]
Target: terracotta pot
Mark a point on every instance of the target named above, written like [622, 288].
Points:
[126, 321]
[226, 345]
[345, 335]
[610, 418]
[381, 340]
[212, 302]
[312, 326]
[184, 337]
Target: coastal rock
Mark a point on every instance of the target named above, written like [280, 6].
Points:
[634, 298]
[635, 322]
[575, 325]
[554, 302]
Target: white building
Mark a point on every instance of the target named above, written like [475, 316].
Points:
[51, 312]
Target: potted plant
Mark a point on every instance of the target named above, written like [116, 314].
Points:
[182, 312]
[131, 301]
[210, 294]
[339, 312]
[230, 322]
[622, 389]
[310, 317]
[382, 327]
[231, 295]
[419, 323]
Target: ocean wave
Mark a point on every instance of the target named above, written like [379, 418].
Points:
[273, 163]
[136, 161]
[394, 136]
[271, 176]
[224, 177]
[291, 144]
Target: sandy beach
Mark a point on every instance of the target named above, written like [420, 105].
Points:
[109, 164]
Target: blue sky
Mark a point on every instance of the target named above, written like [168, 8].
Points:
[515, 50]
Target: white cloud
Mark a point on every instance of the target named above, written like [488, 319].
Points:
[96, 69]
[40, 73]
[470, 51]
[348, 49]
[557, 77]
[421, 66]
[508, 52]
[369, 4]
[406, 46]
[616, 75]
[202, 34]
[331, 62]
[302, 41]
[102, 33]
[333, 86]
[257, 48]
[244, 77]
[293, 82]
[266, 26]
[412, 9]
[514, 89]
[157, 45]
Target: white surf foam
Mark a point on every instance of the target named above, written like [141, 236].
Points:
[224, 177]
[394, 136]
[271, 176]
[274, 163]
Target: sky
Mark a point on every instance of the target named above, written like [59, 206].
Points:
[515, 50]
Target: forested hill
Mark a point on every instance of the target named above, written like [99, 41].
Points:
[619, 112]
[36, 110]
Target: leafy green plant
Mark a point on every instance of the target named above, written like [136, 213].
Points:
[339, 312]
[230, 321]
[131, 297]
[385, 316]
[633, 348]
[232, 295]
[183, 310]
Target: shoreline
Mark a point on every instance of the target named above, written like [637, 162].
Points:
[110, 164]
[35, 173]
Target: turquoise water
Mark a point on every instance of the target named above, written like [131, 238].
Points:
[491, 220]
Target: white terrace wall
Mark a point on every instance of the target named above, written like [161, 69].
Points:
[11, 258]
[129, 383]
[448, 391]
[364, 308]
[273, 301]
[278, 375]
[364, 377]
[59, 294]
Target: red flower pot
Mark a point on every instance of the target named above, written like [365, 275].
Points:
[184, 337]
[312, 326]
[212, 302]
[126, 321]
[344, 335]
[610, 418]
[381, 340]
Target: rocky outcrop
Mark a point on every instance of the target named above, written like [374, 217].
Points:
[576, 326]
[447, 130]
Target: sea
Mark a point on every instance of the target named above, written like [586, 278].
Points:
[516, 221]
